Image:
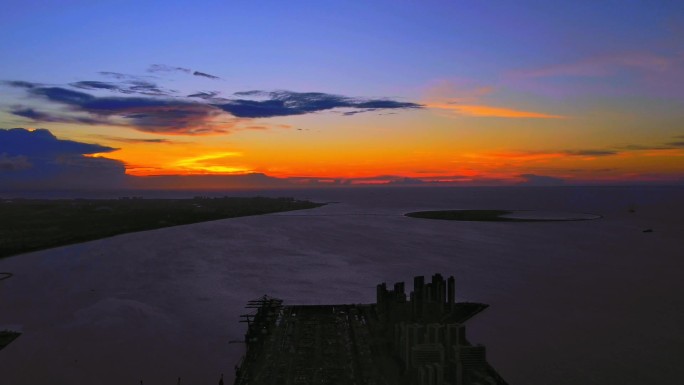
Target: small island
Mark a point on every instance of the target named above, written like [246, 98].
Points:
[35, 224]
[502, 215]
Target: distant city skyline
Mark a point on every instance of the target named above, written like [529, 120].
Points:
[271, 94]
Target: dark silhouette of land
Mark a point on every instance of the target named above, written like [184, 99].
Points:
[7, 336]
[465, 215]
[29, 224]
[483, 216]
[396, 341]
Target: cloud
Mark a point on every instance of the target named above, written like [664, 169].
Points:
[251, 93]
[592, 152]
[350, 113]
[94, 85]
[207, 95]
[464, 98]
[133, 140]
[61, 95]
[115, 75]
[169, 117]
[646, 74]
[131, 87]
[540, 180]
[166, 68]
[286, 103]
[21, 84]
[38, 160]
[641, 147]
[145, 114]
[518, 157]
[489, 111]
[206, 75]
[155, 109]
[398, 181]
[602, 65]
[40, 116]
[207, 163]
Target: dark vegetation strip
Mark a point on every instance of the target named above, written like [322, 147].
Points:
[476, 215]
[466, 215]
[28, 224]
[7, 336]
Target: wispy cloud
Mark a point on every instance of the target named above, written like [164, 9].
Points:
[132, 140]
[591, 152]
[286, 103]
[540, 156]
[130, 87]
[673, 145]
[166, 68]
[602, 65]
[154, 68]
[516, 157]
[116, 75]
[40, 116]
[464, 98]
[647, 74]
[206, 95]
[21, 84]
[205, 75]
[490, 111]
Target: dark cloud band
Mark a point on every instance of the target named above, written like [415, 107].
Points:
[205, 75]
[154, 109]
[286, 103]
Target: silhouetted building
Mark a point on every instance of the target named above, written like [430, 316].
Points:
[402, 340]
[429, 335]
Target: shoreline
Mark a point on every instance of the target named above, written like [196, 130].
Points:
[40, 224]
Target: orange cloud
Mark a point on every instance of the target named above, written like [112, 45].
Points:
[463, 97]
[489, 111]
[522, 156]
[201, 164]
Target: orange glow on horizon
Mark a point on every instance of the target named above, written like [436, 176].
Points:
[364, 152]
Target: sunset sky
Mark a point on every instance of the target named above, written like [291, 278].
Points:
[228, 94]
